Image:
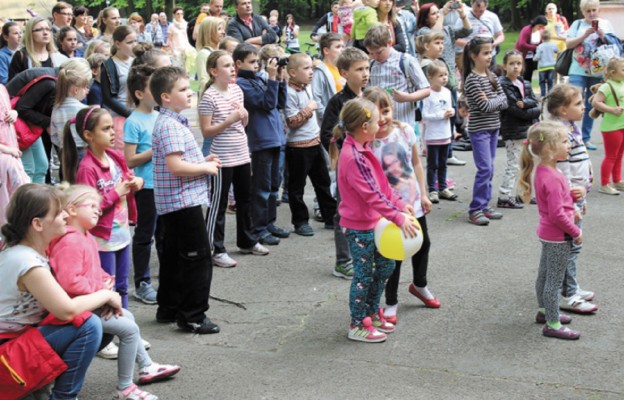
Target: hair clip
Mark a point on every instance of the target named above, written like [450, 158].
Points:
[333, 140]
[541, 137]
[73, 120]
[368, 113]
[525, 142]
[341, 124]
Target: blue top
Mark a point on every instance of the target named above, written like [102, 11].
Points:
[95, 94]
[5, 60]
[138, 130]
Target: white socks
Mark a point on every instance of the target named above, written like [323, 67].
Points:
[390, 311]
[425, 292]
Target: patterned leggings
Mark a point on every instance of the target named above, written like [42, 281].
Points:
[371, 271]
[552, 267]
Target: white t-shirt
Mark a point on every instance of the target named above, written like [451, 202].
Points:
[123, 69]
[17, 308]
[437, 126]
[488, 25]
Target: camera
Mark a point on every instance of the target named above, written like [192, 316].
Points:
[455, 5]
[281, 61]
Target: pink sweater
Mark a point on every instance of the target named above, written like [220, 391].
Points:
[555, 205]
[365, 192]
[75, 260]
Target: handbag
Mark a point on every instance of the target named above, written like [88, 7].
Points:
[564, 60]
[601, 56]
[26, 132]
[594, 113]
[27, 363]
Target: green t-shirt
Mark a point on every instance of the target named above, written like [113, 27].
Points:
[612, 122]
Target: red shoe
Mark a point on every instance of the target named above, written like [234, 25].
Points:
[392, 319]
[429, 303]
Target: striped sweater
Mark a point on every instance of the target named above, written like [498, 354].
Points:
[577, 168]
[484, 114]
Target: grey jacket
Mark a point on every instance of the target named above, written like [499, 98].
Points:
[237, 29]
[323, 89]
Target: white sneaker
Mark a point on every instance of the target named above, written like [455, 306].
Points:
[608, 189]
[223, 260]
[586, 295]
[258, 250]
[146, 345]
[109, 352]
[455, 161]
[577, 304]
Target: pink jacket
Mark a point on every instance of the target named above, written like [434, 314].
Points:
[555, 205]
[365, 192]
[75, 260]
[93, 173]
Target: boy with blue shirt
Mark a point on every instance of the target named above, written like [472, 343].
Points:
[546, 57]
[180, 191]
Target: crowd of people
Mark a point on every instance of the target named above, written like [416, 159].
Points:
[103, 109]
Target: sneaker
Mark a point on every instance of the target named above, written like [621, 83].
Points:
[433, 196]
[223, 260]
[619, 186]
[492, 214]
[478, 218]
[164, 317]
[381, 324]
[608, 189]
[577, 304]
[278, 232]
[146, 345]
[146, 293]
[318, 217]
[109, 352]
[446, 194]
[329, 226]
[284, 197]
[510, 202]
[520, 201]
[586, 295]
[304, 230]
[157, 372]
[366, 333]
[132, 392]
[201, 328]
[590, 146]
[344, 270]
[455, 161]
[564, 333]
[257, 250]
[269, 240]
[540, 318]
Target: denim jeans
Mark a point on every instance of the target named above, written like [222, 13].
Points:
[35, 162]
[546, 81]
[265, 182]
[206, 145]
[483, 151]
[77, 347]
[585, 83]
[570, 284]
[437, 156]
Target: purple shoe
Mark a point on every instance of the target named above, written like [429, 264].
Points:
[564, 333]
[540, 318]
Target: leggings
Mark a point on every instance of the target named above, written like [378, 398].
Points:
[611, 167]
[117, 263]
[552, 267]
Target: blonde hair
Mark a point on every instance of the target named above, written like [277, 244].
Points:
[354, 114]
[612, 66]
[97, 45]
[211, 63]
[74, 194]
[208, 32]
[29, 42]
[423, 40]
[436, 67]
[269, 51]
[296, 60]
[543, 139]
[74, 72]
[584, 4]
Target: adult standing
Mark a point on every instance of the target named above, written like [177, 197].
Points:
[153, 31]
[211, 31]
[85, 32]
[407, 19]
[386, 14]
[61, 16]
[163, 24]
[212, 9]
[137, 23]
[183, 53]
[557, 26]
[583, 38]
[528, 40]
[10, 42]
[484, 23]
[329, 22]
[108, 21]
[249, 27]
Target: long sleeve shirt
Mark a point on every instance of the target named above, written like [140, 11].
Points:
[555, 205]
[484, 113]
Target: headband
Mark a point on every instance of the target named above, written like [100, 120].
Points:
[86, 118]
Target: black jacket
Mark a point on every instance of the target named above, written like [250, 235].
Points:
[35, 106]
[332, 114]
[237, 29]
[515, 121]
[109, 81]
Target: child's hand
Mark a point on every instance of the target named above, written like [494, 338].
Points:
[426, 204]
[10, 117]
[579, 240]
[409, 226]
[136, 183]
[234, 116]
[400, 97]
[213, 157]
[110, 282]
[312, 105]
[577, 217]
[520, 104]
[244, 115]
[484, 97]
[212, 167]
[578, 192]
[617, 110]
[449, 113]
[271, 68]
[409, 209]
[10, 151]
[122, 188]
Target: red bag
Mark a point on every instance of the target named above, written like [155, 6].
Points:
[27, 133]
[27, 363]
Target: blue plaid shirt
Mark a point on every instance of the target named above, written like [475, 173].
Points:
[172, 193]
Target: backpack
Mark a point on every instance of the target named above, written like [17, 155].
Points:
[26, 132]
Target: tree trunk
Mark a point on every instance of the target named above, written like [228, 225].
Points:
[169, 5]
[516, 20]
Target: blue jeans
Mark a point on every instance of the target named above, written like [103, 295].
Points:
[436, 166]
[483, 151]
[546, 81]
[206, 145]
[265, 182]
[77, 347]
[570, 284]
[585, 83]
[35, 161]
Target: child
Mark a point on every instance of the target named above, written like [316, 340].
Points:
[222, 117]
[395, 148]
[345, 13]
[76, 265]
[114, 76]
[291, 35]
[265, 136]
[180, 191]
[366, 197]
[12, 174]
[610, 100]
[94, 98]
[364, 17]
[565, 104]
[71, 89]
[228, 44]
[522, 111]
[138, 130]
[98, 46]
[353, 65]
[485, 99]
[304, 154]
[104, 169]
[326, 79]
[397, 72]
[546, 56]
[556, 229]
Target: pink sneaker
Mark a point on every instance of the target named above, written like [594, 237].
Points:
[157, 372]
[366, 333]
[381, 323]
[132, 392]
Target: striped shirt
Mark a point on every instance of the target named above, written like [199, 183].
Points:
[484, 114]
[60, 115]
[231, 144]
[388, 75]
[577, 167]
[172, 193]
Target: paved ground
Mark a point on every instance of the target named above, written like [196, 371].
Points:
[284, 324]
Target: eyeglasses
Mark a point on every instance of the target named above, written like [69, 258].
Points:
[67, 14]
[42, 30]
[95, 207]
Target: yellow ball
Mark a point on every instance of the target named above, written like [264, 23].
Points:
[392, 243]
